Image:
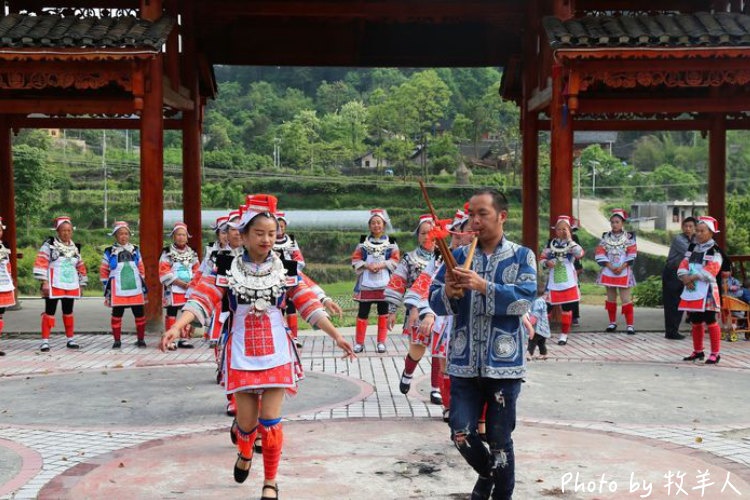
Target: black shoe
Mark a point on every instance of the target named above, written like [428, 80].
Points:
[270, 487]
[380, 348]
[2, 353]
[72, 344]
[713, 359]
[562, 342]
[258, 445]
[184, 344]
[436, 398]
[140, 343]
[674, 336]
[240, 474]
[298, 343]
[630, 330]
[694, 356]
[116, 344]
[405, 384]
[482, 488]
[233, 432]
[45, 346]
[446, 415]
[611, 328]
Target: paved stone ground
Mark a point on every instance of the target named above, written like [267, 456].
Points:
[604, 404]
[93, 317]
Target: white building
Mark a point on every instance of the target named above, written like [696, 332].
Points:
[666, 215]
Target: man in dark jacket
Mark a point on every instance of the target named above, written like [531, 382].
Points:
[671, 285]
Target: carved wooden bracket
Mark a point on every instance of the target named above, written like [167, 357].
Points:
[28, 79]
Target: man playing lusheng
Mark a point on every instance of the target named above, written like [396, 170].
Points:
[486, 350]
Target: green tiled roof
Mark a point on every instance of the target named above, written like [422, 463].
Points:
[25, 31]
[721, 29]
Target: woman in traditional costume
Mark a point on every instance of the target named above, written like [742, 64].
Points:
[698, 271]
[60, 268]
[7, 287]
[559, 258]
[286, 246]
[411, 266]
[261, 359]
[615, 254]
[123, 277]
[374, 259]
[177, 266]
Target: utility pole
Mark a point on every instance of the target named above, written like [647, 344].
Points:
[104, 166]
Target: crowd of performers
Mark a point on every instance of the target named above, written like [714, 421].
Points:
[384, 278]
[250, 288]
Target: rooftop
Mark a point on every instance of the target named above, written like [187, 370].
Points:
[26, 30]
[722, 29]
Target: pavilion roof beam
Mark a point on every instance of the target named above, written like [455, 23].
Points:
[643, 5]
[69, 106]
[736, 104]
[177, 99]
[87, 123]
[391, 11]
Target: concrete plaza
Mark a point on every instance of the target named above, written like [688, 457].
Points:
[602, 414]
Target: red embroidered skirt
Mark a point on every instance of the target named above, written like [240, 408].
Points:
[285, 376]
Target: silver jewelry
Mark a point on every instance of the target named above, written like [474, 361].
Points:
[615, 243]
[4, 252]
[261, 288]
[59, 249]
[185, 257]
[560, 249]
[375, 248]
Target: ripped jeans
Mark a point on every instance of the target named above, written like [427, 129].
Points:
[468, 397]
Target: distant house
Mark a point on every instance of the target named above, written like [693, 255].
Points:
[583, 139]
[666, 215]
[484, 150]
[369, 161]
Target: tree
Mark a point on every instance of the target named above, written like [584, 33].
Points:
[397, 152]
[332, 96]
[32, 180]
[33, 137]
[423, 100]
[667, 182]
[354, 118]
[606, 172]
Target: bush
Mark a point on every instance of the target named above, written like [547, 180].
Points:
[324, 274]
[648, 293]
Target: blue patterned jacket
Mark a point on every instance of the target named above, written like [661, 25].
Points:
[488, 338]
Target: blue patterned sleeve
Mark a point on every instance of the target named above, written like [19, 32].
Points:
[513, 298]
[439, 302]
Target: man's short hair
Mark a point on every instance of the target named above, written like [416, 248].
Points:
[688, 219]
[499, 201]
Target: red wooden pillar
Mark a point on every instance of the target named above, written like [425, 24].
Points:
[717, 175]
[8, 194]
[152, 187]
[191, 171]
[561, 151]
[530, 133]
[191, 134]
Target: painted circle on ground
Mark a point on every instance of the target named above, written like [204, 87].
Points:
[378, 459]
[627, 393]
[143, 398]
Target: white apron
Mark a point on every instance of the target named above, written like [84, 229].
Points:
[64, 274]
[127, 280]
[376, 280]
[6, 280]
[261, 349]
